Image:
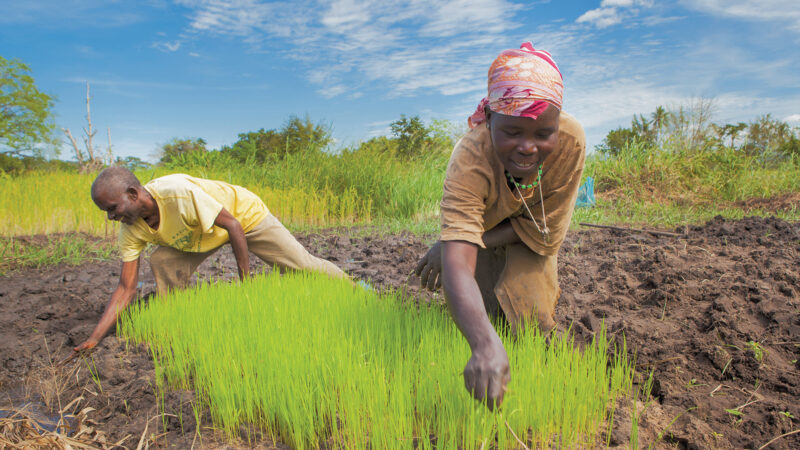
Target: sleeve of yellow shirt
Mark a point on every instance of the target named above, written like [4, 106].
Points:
[202, 211]
[130, 247]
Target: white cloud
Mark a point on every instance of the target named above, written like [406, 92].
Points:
[410, 46]
[612, 3]
[605, 87]
[794, 118]
[453, 17]
[72, 14]
[169, 47]
[601, 17]
[333, 91]
[346, 15]
[380, 128]
[612, 12]
[763, 10]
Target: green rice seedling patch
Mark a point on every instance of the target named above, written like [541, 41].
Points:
[314, 361]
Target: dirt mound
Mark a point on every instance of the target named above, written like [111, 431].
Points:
[714, 316]
[786, 202]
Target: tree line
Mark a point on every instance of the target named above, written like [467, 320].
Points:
[689, 128]
[28, 134]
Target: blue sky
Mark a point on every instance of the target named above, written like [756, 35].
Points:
[215, 68]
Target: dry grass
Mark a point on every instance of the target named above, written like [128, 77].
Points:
[23, 430]
[67, 426]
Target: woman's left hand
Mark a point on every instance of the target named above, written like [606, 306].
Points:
[429, 268]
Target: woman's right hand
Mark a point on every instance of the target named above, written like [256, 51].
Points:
[487, 373]
[429, 268]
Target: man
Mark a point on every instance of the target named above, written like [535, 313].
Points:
[189, 219]
[509, 193]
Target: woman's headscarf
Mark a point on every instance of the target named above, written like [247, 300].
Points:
[521, 83]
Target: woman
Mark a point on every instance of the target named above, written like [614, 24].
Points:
[509, 193]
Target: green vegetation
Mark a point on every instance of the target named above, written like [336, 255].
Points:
[52, 249]
[672, 168]
[678, 167]
[26, 122]
[309, 360]
[657, 186]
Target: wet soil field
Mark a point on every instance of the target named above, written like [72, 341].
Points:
[714, 315]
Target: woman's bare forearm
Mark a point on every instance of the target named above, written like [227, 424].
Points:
[463, 295]
[501, 235]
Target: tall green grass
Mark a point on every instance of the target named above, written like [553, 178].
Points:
[640, 185]
[302, 191]
[309, 360]
[663, 186]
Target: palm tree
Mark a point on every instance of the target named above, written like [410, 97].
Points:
[660, 118]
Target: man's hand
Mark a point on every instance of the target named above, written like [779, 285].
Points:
[87, 345]
[120, 298]
[487, 374]
[429, 268]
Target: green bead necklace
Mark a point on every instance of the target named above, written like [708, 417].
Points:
[526, 186]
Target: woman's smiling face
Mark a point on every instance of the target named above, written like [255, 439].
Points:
[523, 143]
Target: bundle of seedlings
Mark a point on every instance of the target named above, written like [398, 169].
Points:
[312, 361]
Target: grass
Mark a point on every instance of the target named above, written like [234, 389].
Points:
[655, 187]
[667, 187]
[39, 251]
[310, 361]
[315, 191]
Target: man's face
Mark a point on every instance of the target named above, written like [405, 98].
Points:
[523, 143]
[123, 207]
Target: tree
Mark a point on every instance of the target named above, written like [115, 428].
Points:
[411, 134]
[177, 148]
[303, 135]
[26, 117]
[688, 128]
[729, 130]
[616, 140]
[415, 139]
[766, 134]
[295, 137]
[132, 163]
[660, 117]
[92, 160]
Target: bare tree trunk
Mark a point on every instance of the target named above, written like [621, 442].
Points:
[89, 132]
[110, 153]
[91, 161]
[78, 152]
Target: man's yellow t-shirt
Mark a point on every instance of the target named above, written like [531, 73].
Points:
[187, 208]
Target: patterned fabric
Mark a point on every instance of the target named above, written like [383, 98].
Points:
[521, 83]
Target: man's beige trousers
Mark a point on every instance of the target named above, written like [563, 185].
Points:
[269, 240]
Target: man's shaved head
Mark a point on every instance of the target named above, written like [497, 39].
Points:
[114, 181]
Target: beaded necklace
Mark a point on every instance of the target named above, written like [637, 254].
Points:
[525, 186]
[545, 231]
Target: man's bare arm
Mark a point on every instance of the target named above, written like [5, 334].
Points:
[120, 298]
[238, 241]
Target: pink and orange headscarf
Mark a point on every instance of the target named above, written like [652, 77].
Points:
[521, 83]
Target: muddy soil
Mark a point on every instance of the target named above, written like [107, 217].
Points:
[715, 316]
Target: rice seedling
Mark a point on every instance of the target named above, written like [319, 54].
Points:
[313, 361]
